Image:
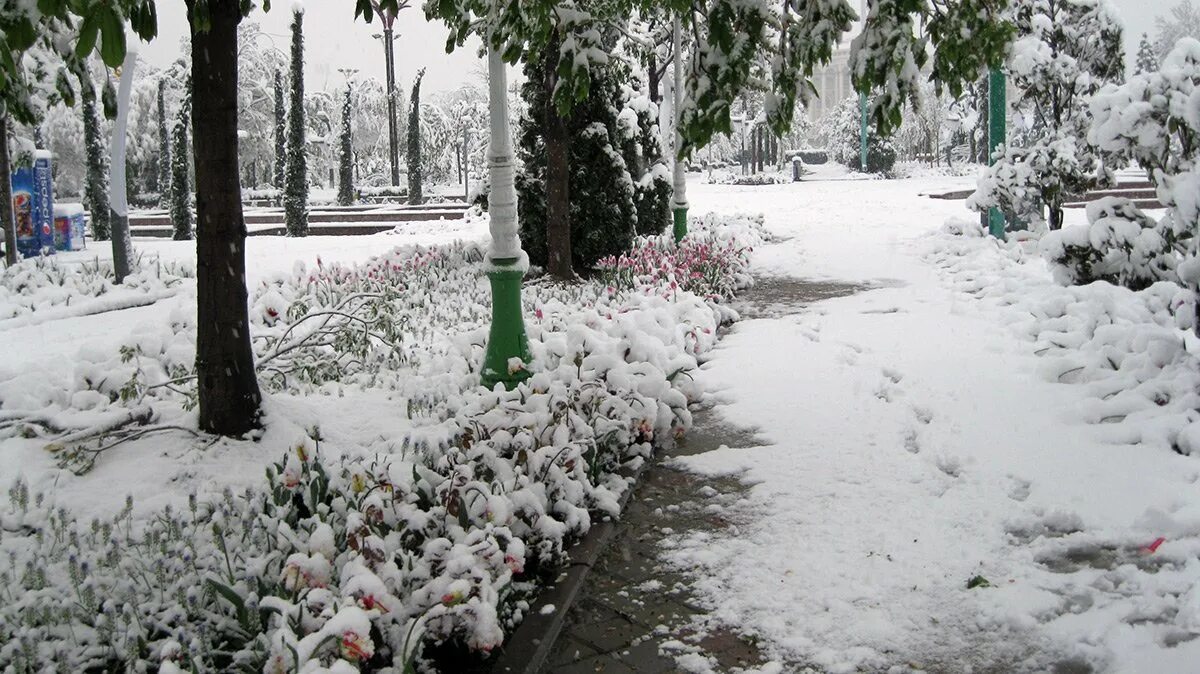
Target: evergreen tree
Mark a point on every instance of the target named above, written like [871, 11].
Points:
[842, 129]
[1146, 62]
[181, 196]
[96, 184]
[414, 143]
[603, 201]
[295, 195]
[643, 151]
[280, 131]
[346, 156]
[164, 148]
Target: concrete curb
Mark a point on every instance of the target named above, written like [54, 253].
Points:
[528, 647]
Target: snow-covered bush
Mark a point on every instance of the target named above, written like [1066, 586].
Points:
[1154, 119]
[645, 157]
[1065, 51]
[41, 283]
[1120, 244]
[350, 565]
[842, 129]
[753, 179]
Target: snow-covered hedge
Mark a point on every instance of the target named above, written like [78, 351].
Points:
[1124, 346]
[43, 283]
[357, 565]
[730, 178]
[1120, 244]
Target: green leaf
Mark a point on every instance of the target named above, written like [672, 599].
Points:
[112, 37]
[88, 32]
[978, 581]
[239, 605]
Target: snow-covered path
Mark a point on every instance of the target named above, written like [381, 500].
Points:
[913, 447]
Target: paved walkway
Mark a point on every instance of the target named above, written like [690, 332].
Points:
[635, 614]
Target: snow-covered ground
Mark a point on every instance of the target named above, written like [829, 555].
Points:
[917, 440]
[918, 437]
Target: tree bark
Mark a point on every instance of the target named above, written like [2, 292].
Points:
[1056, 216]
[6, 198]
[558, 191]
[228, 386]
[652, 78]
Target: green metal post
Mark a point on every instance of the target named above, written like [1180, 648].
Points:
[506, 338]
[862, 132]
[997, 122]
[507, 357]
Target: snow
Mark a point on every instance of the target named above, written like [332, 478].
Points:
[913, 442]
[963, 415]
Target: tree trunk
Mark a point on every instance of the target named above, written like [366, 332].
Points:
[6, 198]
[229, 395]
[1056, 216]
[558, 191]
[652, 78]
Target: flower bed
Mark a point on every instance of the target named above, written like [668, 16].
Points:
[362, 564]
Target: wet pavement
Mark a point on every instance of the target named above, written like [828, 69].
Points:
[635, 614]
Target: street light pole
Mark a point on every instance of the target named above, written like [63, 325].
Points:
[679, 202]
[507, 357]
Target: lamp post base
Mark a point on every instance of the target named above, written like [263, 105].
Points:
[507, 358]
[680, 228]
[995, 222]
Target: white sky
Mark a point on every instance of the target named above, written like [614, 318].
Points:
[333, 40]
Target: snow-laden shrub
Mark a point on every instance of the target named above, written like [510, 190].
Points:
[753, 179]
[1023, 179]
[41, 283]
[699, 264]
[350, 566]
[1120, 245]
[1154, 119]
[1064, 52]
[843, 130]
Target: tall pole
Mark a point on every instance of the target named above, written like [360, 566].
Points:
[117, 199]
[466, 169]
[997, 121]
[862, 132]
[679, 202]
[507, 356]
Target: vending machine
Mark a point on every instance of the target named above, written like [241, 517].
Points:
[33, 206]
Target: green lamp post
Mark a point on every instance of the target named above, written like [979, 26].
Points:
[997, 122]
[679, 203]
[507, 357]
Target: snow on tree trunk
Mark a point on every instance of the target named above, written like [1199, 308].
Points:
[117, 188]
[414, 142]
[181, 195]
[96, 188]
[280, 132]
[295, 195]
[164, 148]
[228, 388]
[6, 198]
[346, 156]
